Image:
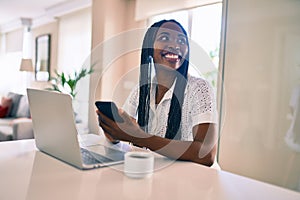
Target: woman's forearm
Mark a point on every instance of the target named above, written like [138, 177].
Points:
[180, 150]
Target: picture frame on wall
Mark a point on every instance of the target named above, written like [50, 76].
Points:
[42, 57]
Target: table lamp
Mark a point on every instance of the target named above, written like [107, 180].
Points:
[26, 65]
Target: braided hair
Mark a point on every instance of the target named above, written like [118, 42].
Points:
[174, 118]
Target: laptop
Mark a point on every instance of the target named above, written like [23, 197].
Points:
[55, 132]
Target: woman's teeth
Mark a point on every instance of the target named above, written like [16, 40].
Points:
[172, 56]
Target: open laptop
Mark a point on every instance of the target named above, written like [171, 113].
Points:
[56, 134]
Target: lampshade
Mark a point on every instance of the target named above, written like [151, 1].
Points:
[26, 65]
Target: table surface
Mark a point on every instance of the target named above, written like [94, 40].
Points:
[27, 173]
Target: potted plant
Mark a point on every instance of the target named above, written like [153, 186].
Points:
[67, 83]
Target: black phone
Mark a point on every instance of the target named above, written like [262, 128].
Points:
[109, 109]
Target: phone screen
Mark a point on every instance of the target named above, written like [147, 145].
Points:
[109, 109]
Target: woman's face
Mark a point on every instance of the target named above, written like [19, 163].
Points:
[170, 46]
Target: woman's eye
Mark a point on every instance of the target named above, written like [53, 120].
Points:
[164, 38]
[181, 41]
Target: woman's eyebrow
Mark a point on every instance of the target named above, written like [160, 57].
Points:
[164, 33]
[181, 35]
[167, 33]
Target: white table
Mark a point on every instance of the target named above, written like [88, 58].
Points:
[27, 173]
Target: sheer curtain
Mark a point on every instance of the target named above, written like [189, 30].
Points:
[11, 79]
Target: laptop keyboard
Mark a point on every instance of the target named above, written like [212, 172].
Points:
[89, 157]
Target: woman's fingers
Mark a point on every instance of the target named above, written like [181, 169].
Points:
[103, 118]
[108, 125]
[116, 131]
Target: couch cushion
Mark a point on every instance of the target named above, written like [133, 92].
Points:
[15, 103]
[6, 133]
[6, 121]
[23, 109]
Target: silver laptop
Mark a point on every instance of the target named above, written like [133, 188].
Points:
[56, 134]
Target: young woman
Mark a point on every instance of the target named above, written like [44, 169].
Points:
[172, 113]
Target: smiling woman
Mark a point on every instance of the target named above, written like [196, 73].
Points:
[171, 113]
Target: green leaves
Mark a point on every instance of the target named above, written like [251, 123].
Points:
[67, 83]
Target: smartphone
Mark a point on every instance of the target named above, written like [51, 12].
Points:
[109, 109]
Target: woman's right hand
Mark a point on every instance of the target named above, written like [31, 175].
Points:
[127, 131]
[108, 137]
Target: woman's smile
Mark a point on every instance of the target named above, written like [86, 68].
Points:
[171, 57]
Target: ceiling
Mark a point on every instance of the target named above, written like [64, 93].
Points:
[11, 11]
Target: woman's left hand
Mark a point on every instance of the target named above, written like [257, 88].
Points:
[125, 131]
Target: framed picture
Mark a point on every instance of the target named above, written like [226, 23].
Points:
[42, 57]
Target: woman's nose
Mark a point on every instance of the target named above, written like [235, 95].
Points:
[173, 48]
[174, 44]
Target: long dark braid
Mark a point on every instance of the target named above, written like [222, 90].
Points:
[174, 118]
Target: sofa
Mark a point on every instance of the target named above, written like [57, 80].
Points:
[15, 120]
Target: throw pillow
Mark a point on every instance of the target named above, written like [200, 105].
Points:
[15, 103]
[23, 109]
[5, 106]
[3, 111]
[6, 102]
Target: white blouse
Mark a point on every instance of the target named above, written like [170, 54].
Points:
[199, 106]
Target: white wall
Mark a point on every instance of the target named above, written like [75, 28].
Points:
[74, 48]
[111, 22]
[14, 41]
[261, 69]
[11, 79]
[70, 46]
[74, 41]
